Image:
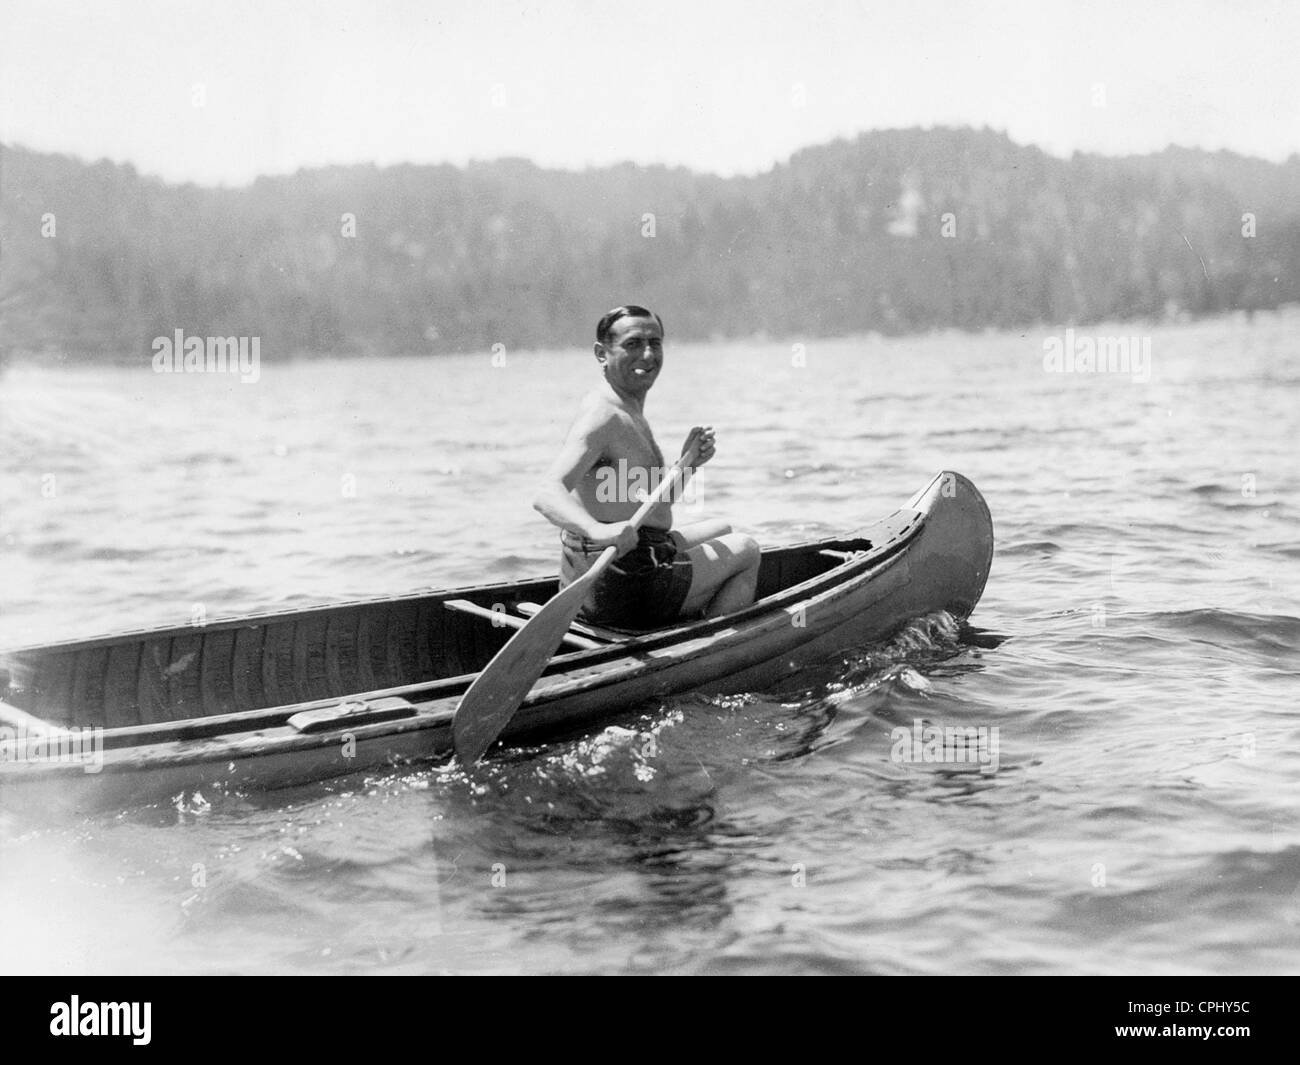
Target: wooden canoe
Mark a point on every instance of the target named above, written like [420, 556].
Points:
[271, 700]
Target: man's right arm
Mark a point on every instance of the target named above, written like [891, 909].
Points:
[582, 449]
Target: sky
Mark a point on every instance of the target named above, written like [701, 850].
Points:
[220, 91]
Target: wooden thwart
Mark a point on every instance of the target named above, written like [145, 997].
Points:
[840, 556]
[580, 627]
[500, 617]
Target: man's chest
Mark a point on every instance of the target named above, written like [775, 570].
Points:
[632, 442]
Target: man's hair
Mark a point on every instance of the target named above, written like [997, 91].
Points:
[630, 311]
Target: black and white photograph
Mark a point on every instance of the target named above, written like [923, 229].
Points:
[579, 488]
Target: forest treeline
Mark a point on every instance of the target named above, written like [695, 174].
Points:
[894, 231]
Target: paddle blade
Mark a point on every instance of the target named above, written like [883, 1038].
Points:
[496, 694]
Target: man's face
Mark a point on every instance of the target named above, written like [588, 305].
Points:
[634, 354]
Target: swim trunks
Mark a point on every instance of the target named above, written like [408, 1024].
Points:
[643, 589]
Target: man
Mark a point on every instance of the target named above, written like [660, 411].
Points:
[660, 573]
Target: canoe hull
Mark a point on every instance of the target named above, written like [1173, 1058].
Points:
[933, 555]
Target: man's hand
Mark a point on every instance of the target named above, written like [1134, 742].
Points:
[618, 533]
[703, 434]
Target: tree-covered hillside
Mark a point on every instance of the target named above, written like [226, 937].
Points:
[894, 231]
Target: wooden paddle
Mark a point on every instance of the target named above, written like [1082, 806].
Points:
[497, 692]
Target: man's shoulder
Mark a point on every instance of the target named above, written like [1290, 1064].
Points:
[597, 412]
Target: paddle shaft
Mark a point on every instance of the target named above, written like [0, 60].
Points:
[635, 521]
[13, 717]
[505, 682]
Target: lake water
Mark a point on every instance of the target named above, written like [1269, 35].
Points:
[1137, 648]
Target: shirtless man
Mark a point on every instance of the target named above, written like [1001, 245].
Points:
[659, 575]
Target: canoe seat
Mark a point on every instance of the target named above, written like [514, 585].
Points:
[500, 617]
